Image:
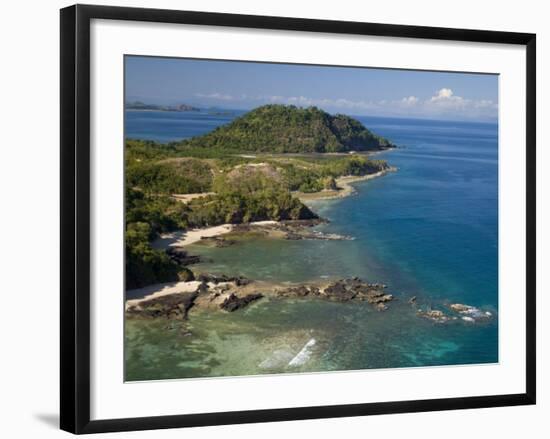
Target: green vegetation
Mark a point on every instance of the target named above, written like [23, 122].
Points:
[171, 176]
[241, 188]
[284, 129]
[161, 213]
[248, 194]
[313, 175]
[233, 207]
[146, 217]
[144, 265]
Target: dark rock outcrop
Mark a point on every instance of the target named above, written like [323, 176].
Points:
[186, 275]
[234, 302]
[343, 290]
[181, 256]
[356, 289]
[172, 306]
[219, 278]
[299, 291]
[218, 241]
[340, 292]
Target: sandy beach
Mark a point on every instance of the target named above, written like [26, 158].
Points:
[344, 184]
[134, 297]
[182, 238]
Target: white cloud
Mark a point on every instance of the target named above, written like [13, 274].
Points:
[409, 101]
[443, 104]
[444, 93]
[446, 103]
[445, 99]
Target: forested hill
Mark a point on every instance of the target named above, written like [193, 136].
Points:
[282, 129]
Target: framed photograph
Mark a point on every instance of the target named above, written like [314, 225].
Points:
[268, 218]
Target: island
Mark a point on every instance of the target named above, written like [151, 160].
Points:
[138, 105]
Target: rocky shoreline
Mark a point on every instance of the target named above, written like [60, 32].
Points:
[293, 230]
[224, 293]
[230, 294]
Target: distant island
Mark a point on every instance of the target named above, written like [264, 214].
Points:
[291, 129]
[137, 105]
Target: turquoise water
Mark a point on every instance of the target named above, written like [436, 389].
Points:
[428, 230]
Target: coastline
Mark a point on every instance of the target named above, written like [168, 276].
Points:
[182, 238]
[215, 292]
[223, 293]
[136, 296]
[344, 184]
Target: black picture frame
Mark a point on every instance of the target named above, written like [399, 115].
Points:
[75, 217]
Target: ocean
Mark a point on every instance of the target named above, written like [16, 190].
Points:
[428, 230]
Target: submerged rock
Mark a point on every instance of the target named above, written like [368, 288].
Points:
[435, 315]
[470, 313]
[218, 241]
[234, 302]
[181, 256]
[466, 313]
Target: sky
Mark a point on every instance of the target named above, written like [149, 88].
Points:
[350, 90]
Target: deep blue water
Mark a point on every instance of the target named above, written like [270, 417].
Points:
[168, 126]
[436, 219]
[429, 229]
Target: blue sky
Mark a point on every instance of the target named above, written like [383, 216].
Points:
[355, 91]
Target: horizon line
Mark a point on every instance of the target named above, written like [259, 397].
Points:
[216, 107]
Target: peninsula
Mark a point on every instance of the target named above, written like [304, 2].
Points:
[260, 167]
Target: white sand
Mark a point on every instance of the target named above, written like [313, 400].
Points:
[150, 292]
[187, 237]
[262, 223]
[182, 238]
[344, 184]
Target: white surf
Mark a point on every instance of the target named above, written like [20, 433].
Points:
[303, 355]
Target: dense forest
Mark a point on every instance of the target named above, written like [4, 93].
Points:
[286, 128]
